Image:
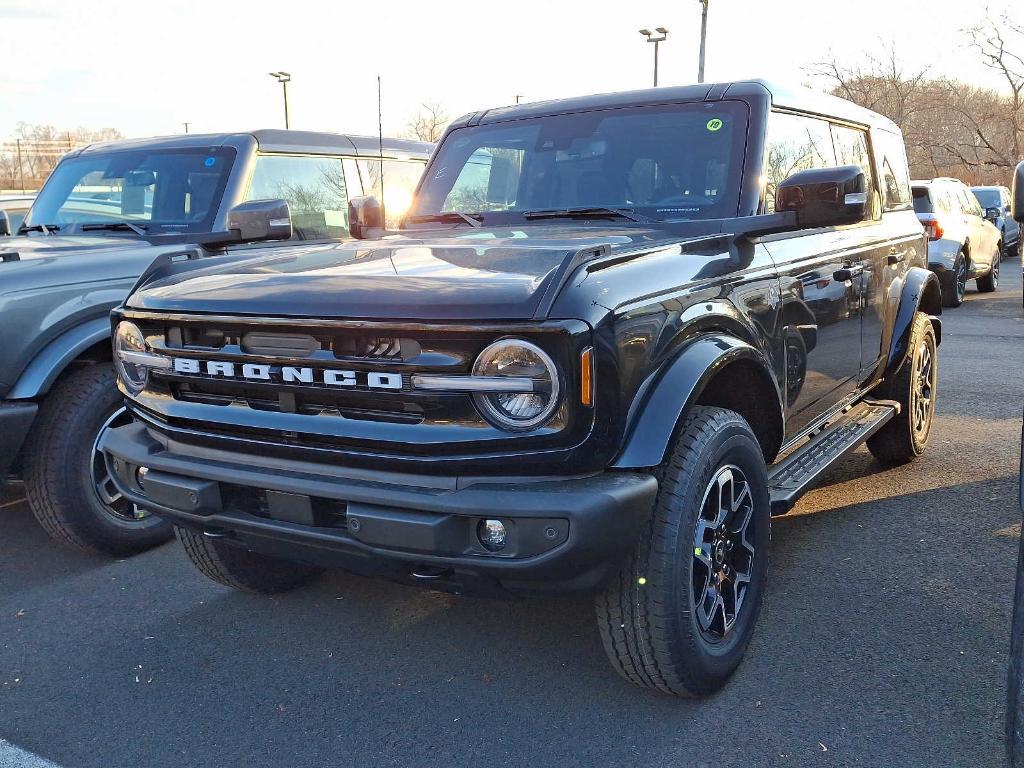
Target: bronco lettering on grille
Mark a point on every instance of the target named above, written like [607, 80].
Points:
[287, 374]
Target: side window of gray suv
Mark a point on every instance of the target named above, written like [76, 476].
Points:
[314, 187]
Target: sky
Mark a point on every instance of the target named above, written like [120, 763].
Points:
[145, 67]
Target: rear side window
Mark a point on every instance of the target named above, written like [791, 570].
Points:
[400, 180]
[313, 186]
[922, 201]
[794, 143]
[892, 157]
[852, 149]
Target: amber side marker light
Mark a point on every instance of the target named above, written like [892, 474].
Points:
[587, 377]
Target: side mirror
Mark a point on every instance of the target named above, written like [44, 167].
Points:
[5, 224]
[824, 197]
[1018, 193]
[364, 214]
[256, 220]
[992, 214]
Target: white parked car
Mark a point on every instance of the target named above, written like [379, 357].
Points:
[962, 244]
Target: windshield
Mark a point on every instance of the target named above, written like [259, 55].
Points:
[680, 161]
[169, 190]
[989, 198]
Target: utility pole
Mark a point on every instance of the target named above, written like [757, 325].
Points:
[21, 167]
[284, 78]
[186, 126]
[656, 37]
[518, 97]
[703, 38]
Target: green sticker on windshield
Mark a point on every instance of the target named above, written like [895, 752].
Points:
[714, 124]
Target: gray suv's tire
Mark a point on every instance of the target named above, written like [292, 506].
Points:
[63, 472]
[233, 566]
[659, 616]
[953, 282]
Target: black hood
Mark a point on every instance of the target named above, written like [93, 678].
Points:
[482, 274]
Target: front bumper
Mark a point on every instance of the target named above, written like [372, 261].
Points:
[16, 417]
[563, 534]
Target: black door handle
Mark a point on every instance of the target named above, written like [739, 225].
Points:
[895, 257]
[847, 273]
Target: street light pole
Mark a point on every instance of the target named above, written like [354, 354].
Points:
[284, 78]
[656, 37]
[703, 39]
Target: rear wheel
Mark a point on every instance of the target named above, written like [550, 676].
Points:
[233, 566]
[66, 480]
[680, 612]
[954, 282]
[914, 387]
[990, 282]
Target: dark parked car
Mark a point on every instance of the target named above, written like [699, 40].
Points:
[995, 202]
[598, 355]
[102, 218]
[962, 244]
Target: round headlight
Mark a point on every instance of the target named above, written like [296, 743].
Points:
[128, 339]
[517, 410]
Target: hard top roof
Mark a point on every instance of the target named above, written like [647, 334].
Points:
[277, 140]
[797, 98]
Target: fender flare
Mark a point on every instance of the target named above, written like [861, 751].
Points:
[920, 292]
[663, 399]
[50, 362]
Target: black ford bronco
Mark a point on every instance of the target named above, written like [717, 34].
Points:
[612, 336]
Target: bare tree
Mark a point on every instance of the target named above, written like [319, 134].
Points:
[429, 123]
[993, 40]
[34, 150]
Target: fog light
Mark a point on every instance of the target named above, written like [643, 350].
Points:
[492, 534]
[140, 476]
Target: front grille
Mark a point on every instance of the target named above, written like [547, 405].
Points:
[316, 412]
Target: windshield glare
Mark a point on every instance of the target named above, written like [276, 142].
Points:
[175, 190]
[680, 161]
[989, 198]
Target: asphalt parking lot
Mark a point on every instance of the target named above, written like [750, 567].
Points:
[882, 643]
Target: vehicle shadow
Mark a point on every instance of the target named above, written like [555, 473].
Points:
[867, 604]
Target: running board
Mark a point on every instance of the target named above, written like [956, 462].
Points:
[795, 475]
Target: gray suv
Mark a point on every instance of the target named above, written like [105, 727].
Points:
[110, 213]
[996, 203]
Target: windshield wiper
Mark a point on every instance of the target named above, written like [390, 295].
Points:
[44, 228]
[473, 219]
[586, 213]
[136, 228]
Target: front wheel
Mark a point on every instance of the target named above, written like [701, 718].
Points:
[680, 613]
[69, 489]
[234, 566]
[914, 387]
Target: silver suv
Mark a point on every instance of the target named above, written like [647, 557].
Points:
[962, 244]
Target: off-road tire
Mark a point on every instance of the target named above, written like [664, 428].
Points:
[951, 297]
[646, 613]
[58, 470]
[901, 440]
[988, 283]
[236, 567]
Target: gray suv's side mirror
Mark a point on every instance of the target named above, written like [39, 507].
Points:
[256, 220]
[1018, 193]
[824, 197]
[5, 224]
[364, 214]
[993, 214]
